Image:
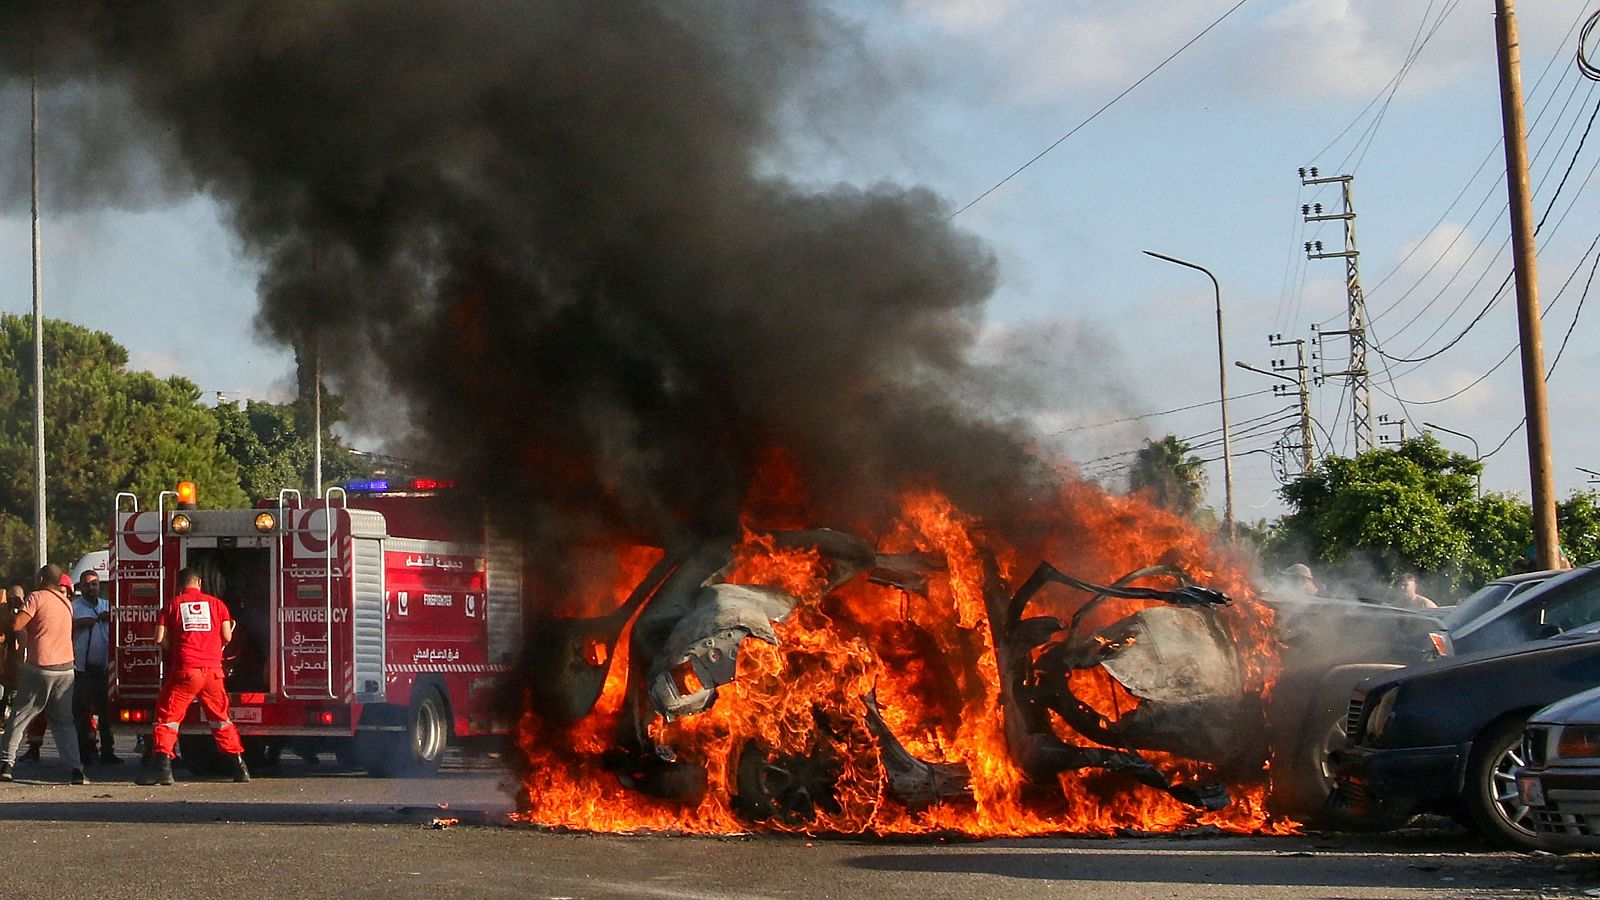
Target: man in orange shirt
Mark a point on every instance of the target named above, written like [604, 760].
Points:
[46, 681]
[195, 626]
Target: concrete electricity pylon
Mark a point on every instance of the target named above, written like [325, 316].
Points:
[1281, 369]
[1356, 330]
[1399, 423]
[1302, 392]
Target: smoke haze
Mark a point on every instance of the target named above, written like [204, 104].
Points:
[544, 228]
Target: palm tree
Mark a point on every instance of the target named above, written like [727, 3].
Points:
[1170, 475]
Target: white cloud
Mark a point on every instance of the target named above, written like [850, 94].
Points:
[160, 363]
[965, 16]
[1301, 49]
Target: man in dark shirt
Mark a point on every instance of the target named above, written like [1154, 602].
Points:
[195, 627]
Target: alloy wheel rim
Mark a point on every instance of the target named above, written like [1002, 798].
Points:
[428, 729]
[1502, 787]
[1333, 740]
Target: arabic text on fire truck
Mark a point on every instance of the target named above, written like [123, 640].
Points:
[375, 623]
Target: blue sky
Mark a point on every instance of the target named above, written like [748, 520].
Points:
[1199, 162]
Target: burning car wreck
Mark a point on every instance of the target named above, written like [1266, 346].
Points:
[1139, 684]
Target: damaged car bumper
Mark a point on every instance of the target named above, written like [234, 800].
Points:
[1378, 786]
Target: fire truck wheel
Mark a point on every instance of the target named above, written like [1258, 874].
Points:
[348, 753]
[419, 750]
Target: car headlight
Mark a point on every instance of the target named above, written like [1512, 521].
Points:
[1579, 742]
[1382, 712]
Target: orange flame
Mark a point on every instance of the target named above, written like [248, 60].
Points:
[929, 660]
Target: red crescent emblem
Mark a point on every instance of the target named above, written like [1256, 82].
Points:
[307, 536]
[137, 545]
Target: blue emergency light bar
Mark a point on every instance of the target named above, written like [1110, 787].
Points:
[385, 486]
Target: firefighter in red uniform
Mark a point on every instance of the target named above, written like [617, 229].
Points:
[197, 625]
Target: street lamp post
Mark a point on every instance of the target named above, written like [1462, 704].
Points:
[41, 526]
[1222, 381]
[1477, 455]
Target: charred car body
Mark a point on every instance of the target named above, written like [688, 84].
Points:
[1174, 655]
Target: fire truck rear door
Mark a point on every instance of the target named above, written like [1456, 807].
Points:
[135, 571]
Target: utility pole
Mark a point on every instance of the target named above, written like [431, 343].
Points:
[41, 528]
[1524, 255]
[316, 419]
[1356, 371]
[1303, 392]
[1387, 419]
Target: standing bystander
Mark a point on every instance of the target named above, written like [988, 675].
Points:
[46, 682]
[11, 649]
[91, 651]
[1405, 594]
[196, 626]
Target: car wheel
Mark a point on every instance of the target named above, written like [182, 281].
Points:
[1302, 788]
[419, 749]
[1490, 794]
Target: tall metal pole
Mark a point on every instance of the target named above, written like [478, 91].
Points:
[316, 419]
[1524, 256]
[40, 527]
[1222, 380]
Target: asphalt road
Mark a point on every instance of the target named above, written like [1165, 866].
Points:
[326, 832]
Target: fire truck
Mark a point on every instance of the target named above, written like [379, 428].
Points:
[377, 622]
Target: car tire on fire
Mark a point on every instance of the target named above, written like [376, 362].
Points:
[1302, 770]
[416, 750]
[1490, 793]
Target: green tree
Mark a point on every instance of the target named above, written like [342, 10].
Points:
[1170, 475]
[1394, 508]
[107, 430]
[272, 445]
[1415, 508]
[1578, 519]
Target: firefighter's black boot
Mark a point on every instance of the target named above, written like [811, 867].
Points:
[157, 770]
[241, 773]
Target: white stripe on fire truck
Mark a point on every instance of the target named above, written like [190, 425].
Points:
[448, 667]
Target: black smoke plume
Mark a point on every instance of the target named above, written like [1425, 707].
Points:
[553, 230]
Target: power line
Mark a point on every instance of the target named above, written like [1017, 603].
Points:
[1152, 415]
[1543, 313]
[1281, 415]
[1582, 140]
[1538, 117]
[1096, 114]
[1371, 135]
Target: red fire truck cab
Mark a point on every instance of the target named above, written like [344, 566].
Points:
[376, 624]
